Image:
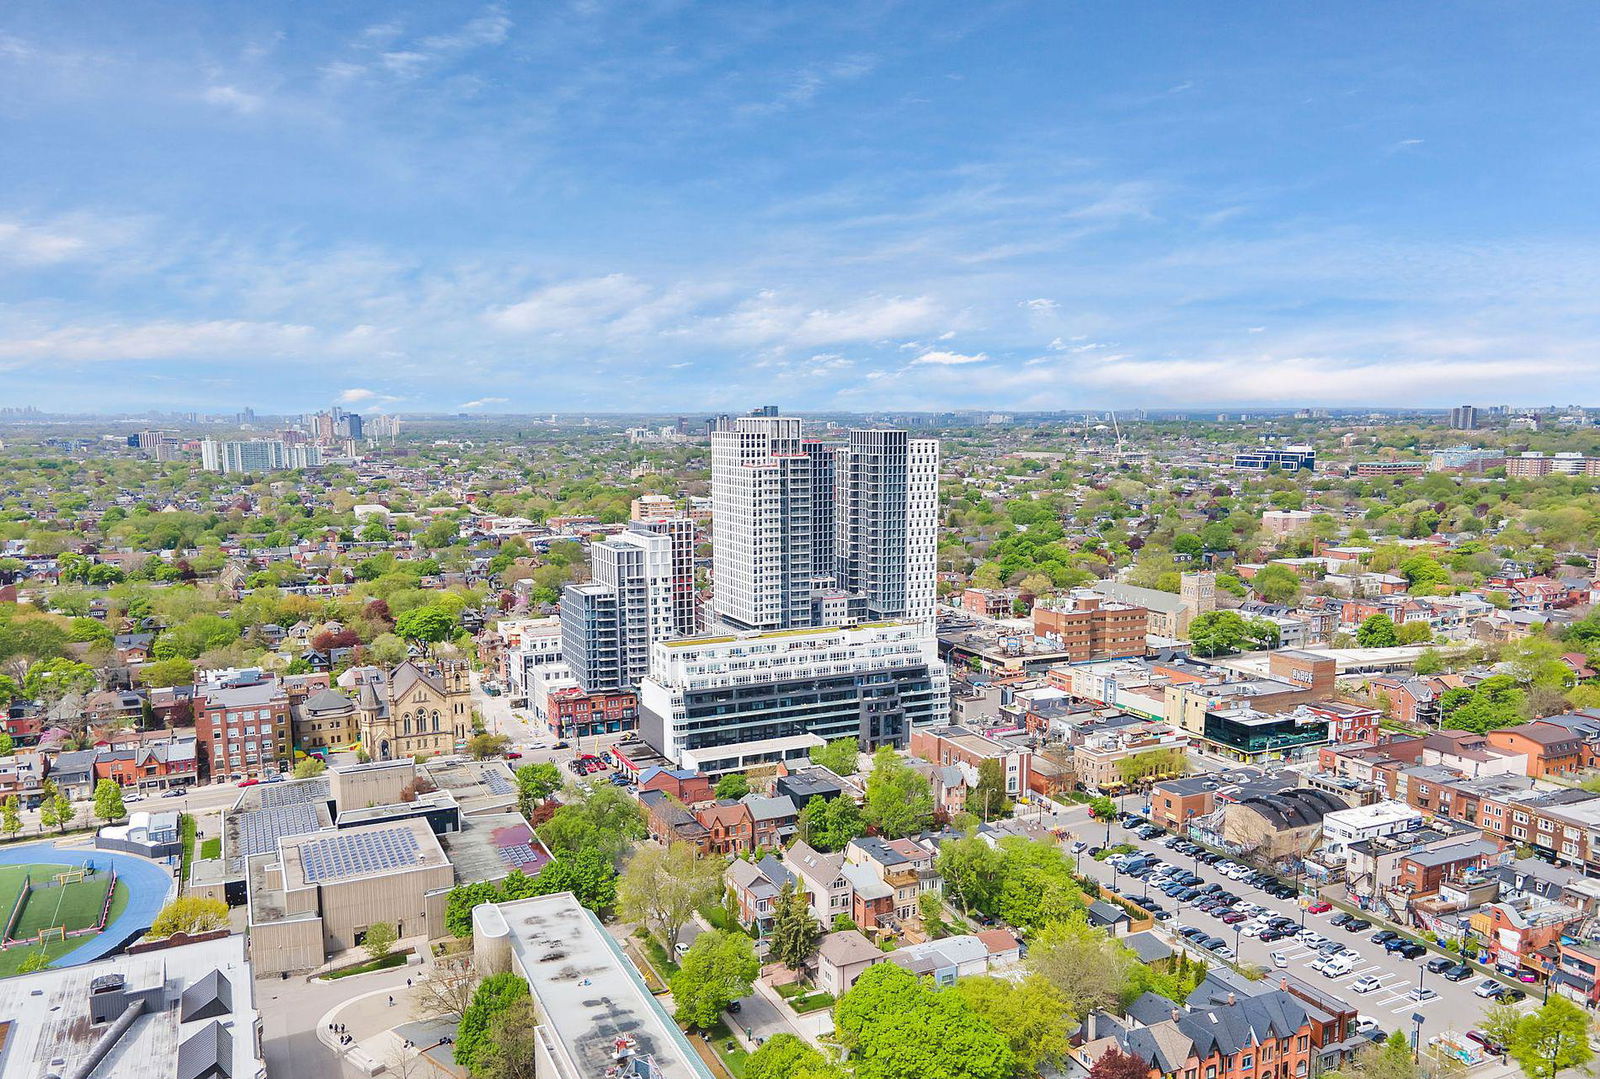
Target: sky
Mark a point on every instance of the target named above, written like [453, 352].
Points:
[656, 205]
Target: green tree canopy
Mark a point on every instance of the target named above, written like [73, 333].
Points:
[898, 1026]
[842, 755]
[899, 798]
[717, 970]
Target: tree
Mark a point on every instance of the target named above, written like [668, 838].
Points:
[65, 811]
[1494, 702]
[842, 756]
[10, 816]
[661, 888]
[48, 812]
[1029, 1014]
[971, 870]
[1086, 966]
[108, 800]
[483, 746]
[1389, 1059]
[785, 1056]
[899, 799]
[379, 940]
[1430, 661]
[1552, 1039]
[310, 768]
[535, 783]
[794, 931]
[446, 988]
[494, 996]
[1219, 633]
[717, 970]
[189, 914]
[426, 625]
[733, 786]
[52, 679]
[1500, 1023]
[175, 671]
[930, 908]
[829, 824]
[1377, 632]
[604, 819]
[988, 799]
[1115, 1064]
[1415, 631]
[511, 1045]
[1277, 583]
[1102, 808]
[898, 1026]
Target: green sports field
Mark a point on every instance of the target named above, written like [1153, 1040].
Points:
[75, 906]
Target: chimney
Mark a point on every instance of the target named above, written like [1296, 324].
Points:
[1283, 983]
[1230, 1000]
[1176, 1015]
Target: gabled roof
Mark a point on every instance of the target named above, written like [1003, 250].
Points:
[206, 1054]
[208, 998]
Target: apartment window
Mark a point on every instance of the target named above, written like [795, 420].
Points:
[1302, 1043]
[1248, 1061]
[1211, 1071]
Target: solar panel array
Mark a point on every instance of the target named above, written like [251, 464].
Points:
[352, 854]
[286, 794]
[260, 831]
[518, 855]
[499, 783]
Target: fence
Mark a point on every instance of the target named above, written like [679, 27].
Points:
[16, 908]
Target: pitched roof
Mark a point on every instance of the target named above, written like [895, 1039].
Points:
[847, 948]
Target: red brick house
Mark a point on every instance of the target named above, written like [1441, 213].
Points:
[730, 828]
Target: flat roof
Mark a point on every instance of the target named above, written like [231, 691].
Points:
[587, 992]
[372, 850]
[45, 1018]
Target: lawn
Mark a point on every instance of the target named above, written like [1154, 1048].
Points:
[211, 848]
[735, 1058]
[811, 1003]
[396, 959]
[75, 906]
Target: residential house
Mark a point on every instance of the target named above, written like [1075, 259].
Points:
[756, 887]
[730, 827]
[688, 787]
[842, 958]
[150, 765]
[668, 821]
[774, 820]
[818, 875]
[905, 865]
[73, 773]
[1551, 749]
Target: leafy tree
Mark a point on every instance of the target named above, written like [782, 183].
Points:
[1500, 1023]
[1087, 967]
[427, 625]
[786, 1056]
[52, 679]
[1494, 702]
[379, 940]
[1377, 631]
[930, 908]
[987, 798]
[1415, 631]
[1277, 583]
[1115, 1064]
[843, 923]
[189, 914]
[899, 798]
[794, 931]
[10, 816]
[898, 1026]
[733, 786]
[1036, 885]
[1029, 1014]
[1102, 808]
[662, 887]
[535, 783]
[1388, 1059]
[65, 811]
[510, 1046]
[717, 970]
[604, 819]
[49, 813]
[1219, 633]
[494, 995]
[461, 901]
[829, 824]
[842, 756]
[480, 747]
[310, 768]
[108, 800]
[1430, 661]
[1552, 1039]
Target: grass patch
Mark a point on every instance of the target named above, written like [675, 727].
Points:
[791, 990]
[75, 906]
[211, 848]
[12, 960]
[720, 1039]
[186, 832]
[388, 962]
[657, 955]
[811, 1003]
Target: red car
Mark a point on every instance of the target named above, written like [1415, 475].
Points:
[248, 782]
[1321, 906]
[513, 755]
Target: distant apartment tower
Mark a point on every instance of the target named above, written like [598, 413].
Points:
[761, 492]
[887, 515]
[257, 455]
[1464, 417]
[683, 596]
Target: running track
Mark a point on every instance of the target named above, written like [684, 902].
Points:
[149, 885]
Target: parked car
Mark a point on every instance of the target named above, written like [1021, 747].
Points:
[1280, 959]
[1358, 925]
[1338, 966]
[175, 792]
[1421, 995]
[1490, 1047]
[1365, 984]
[1365, 1024]
[1412, 950]
[1321, 906]
[1439, 965]
[1486, 988]
[248, 782]
[1383, 936]
[1458, 973]
[1507, 995]
[1341, 919]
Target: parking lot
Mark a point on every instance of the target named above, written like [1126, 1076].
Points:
[1391, 977]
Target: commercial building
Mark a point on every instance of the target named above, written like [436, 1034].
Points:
[1285, 522]
[873, 682]
[1089, 627]
[1341, 829]
[1283, 457]
[1380, 469]
[614, 1026]
[1166, 615]
[966, 749]
[187, 1011]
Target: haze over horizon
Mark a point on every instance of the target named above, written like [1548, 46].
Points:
[667, 207]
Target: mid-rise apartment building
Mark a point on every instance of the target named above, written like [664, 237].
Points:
[257, 455]
[242, 724]
[1534, 465]
[641, 578]
[873, 682]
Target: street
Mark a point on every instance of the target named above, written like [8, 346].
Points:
[1454, 1008]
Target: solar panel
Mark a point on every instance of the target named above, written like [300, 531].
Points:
[499, 783]
[518, 855]
[285, 794]
[259, 831]
[351, 854]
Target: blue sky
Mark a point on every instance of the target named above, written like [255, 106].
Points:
[602, 205]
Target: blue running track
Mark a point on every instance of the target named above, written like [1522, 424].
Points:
[149, 886]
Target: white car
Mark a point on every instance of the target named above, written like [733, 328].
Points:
[1320, 963]
[1250, 929]
[1337, 967]
[1365, 1024]
[1486, 988]
[1279, 959]
[1365, 984]
[1420, 995]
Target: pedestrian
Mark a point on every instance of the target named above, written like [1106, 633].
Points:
[391, 1000]
[408, 983]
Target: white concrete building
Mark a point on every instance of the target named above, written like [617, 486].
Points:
[1346, 826]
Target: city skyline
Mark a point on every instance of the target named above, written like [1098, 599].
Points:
[465, 207]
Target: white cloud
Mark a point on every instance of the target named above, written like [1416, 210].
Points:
[482, 401]
[490, 28]
[572, 305]
[231, 97]
[356, 395]
[215, 339]
[950, 359]
[32, 245]
[1038, 305]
